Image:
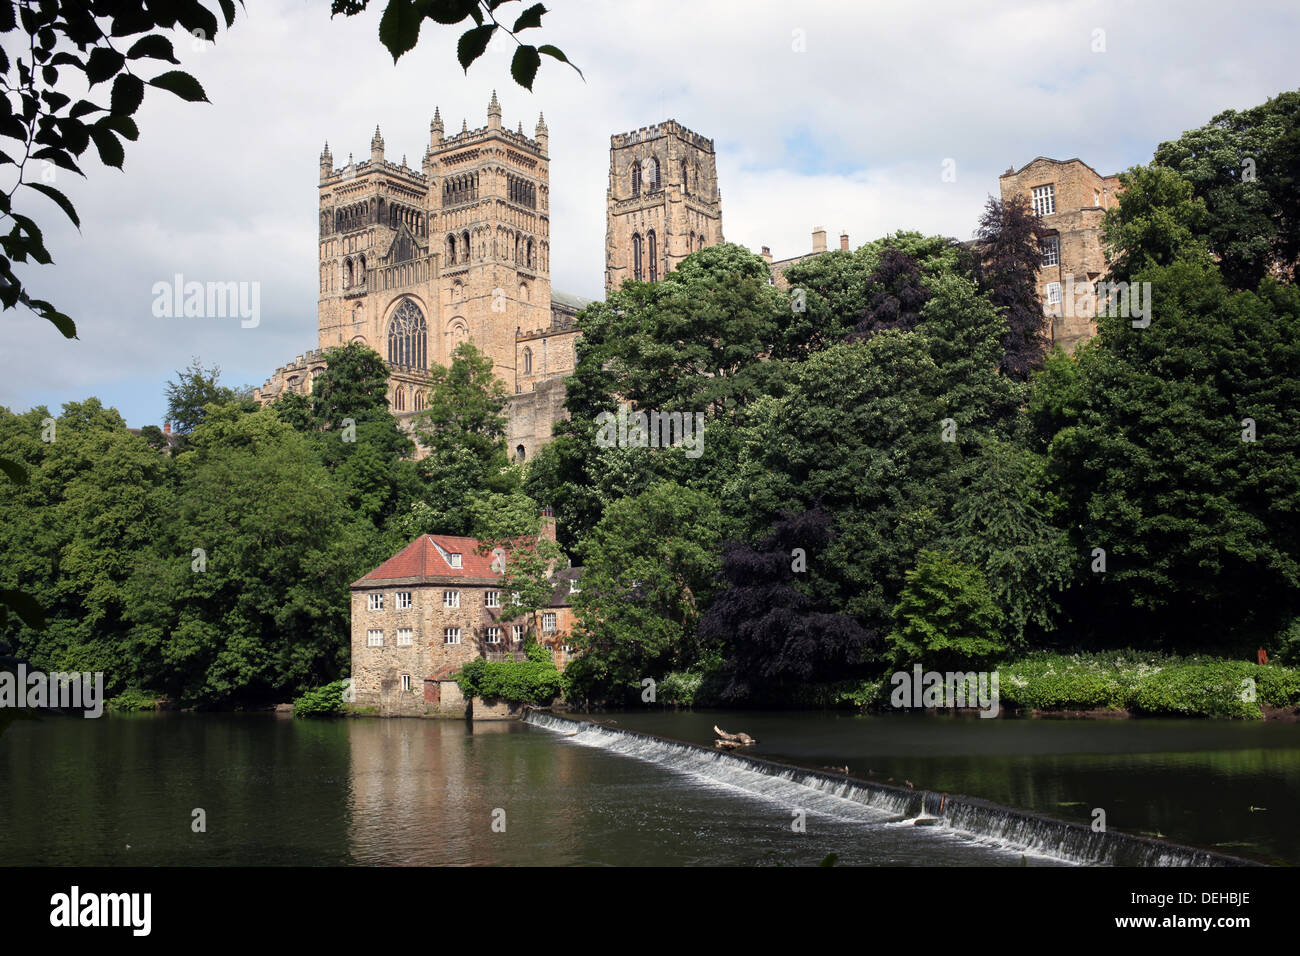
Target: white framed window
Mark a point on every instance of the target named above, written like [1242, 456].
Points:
[492, 599]
[517, 633]
[567, 648]
[406, 683]
[375, 602]
[514, 598]
[1053, 293]
[1044, 200]
[493, 635]
[403, 600]
[1051, 251]
[451, 599]
[405, 637]
[451, 635]
[455, 559]
[374, 638]
[548, 623]
[573, 586]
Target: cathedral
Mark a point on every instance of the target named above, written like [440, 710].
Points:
[414, 262]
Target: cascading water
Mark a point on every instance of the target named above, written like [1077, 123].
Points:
[1014, 831]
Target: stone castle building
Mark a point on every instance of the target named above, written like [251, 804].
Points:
[414, 262]
[1071, 198]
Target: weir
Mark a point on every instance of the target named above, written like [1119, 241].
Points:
[845, 797]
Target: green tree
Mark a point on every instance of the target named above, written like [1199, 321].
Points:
[1156, 222]
[946, 617]
[649, 567]
[194, 389]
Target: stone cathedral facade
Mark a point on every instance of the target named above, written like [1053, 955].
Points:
[414, 262]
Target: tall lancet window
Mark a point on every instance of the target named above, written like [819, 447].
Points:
[654, 258]
[637, 272]
[636, 179]
[653, 176]
[408, 336]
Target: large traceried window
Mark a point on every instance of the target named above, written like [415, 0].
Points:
[654, 257]
[652, 175]
[638, 272]
[636, 179]
[408, 336]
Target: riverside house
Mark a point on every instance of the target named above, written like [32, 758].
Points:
[433, 607]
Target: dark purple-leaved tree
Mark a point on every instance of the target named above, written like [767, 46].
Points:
[774, 633]
[1010, 238]
[895, 296]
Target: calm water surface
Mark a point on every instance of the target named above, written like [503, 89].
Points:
[122, 790]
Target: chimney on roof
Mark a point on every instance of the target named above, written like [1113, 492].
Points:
[548, 524]
[167, 428]
[767, 255]
[844, 242]
[819, 239]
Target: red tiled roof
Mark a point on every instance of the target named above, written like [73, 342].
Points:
[421, 560]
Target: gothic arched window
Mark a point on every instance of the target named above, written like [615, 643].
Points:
[700, 247]
[451, 250]
[407, 336]
[520, 454]
[528, 361]
[654, 175]
[399, 399]
[654, 258]
[686, 186]
[464, 246]
[347, 273]
[636, 257]
[636, 179]
[530, 254]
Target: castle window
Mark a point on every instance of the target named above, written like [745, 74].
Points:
[652, 175]
[637, 273]
[407, 336]
[1051, 251]
[636, 180]
[403, 600]
[686, 187]
[493, 635]
[374, 638]
[654, 258]
[406, 683]
[1044, 200]
[405, 637]
[520, 454]
[451, 599]
[528, 361]
[1053, 293]
[492, 599]
[451, 635]
[375, 602]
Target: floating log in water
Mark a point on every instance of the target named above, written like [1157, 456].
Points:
[743, 739]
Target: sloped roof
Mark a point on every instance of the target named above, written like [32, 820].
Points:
[424, 561]
[1057, 162]
[570, 300]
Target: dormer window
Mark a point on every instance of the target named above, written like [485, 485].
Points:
[454, 559]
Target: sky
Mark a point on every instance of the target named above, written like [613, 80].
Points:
[842, 115]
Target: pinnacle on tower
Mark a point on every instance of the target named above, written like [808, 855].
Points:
[435, 128]
[494, 112]
[540, 135]
[377, 147]
[464, 126]
[326, 163]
